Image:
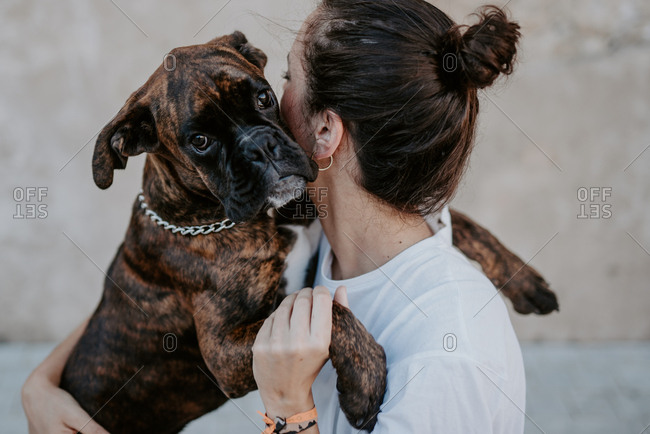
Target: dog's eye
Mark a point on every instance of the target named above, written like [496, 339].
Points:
[264, 99]
[200, 142]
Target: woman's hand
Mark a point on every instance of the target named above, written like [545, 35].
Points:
[50, 409]
[291, 348]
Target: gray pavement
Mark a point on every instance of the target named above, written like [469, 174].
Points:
[572, 388]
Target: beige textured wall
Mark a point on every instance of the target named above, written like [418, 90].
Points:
[576, 114]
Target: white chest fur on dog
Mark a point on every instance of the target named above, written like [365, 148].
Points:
[305, 247]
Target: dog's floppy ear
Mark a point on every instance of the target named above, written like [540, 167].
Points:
[238, 41]
[131, 132]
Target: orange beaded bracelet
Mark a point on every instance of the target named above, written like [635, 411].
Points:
[291, 425]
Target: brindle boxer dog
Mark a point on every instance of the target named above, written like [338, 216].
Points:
[216, 153]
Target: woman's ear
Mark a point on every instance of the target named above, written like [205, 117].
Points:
[329, 131]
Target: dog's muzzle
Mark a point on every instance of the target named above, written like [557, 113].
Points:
[285, 190]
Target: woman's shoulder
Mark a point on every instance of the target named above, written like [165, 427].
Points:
[439, 305]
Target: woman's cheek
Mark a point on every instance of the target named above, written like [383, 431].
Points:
[292, 118]
[284, 109]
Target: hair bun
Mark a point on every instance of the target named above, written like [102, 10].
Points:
[476, 57]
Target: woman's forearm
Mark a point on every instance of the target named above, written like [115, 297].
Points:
[52, 366]
[49, 408]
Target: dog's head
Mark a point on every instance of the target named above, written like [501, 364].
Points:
[209, 111]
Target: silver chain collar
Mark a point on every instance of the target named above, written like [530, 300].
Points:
[184, 230]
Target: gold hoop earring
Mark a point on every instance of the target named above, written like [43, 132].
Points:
[328, 166]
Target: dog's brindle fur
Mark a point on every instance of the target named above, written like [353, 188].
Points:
[212, 292]
[518, 281]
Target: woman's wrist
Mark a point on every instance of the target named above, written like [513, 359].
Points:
[35, 385]
[285, 406]
[50, 371]
[51, 368]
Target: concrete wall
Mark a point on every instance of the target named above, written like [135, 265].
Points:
[575, 114]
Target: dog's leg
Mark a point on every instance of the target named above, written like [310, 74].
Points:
[521, 283]
[227, 349]
[359, 361]
[360, 364]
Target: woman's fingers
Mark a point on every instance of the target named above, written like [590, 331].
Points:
[341, 296]
[51, 409]
[282, 316]
[321, 314]
[77, 419]
[303, 318]
[264, 332]
[82, 422]
[301, 313]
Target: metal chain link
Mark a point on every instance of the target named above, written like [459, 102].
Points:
[184, 230]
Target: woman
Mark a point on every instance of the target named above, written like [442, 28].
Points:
[383, 94]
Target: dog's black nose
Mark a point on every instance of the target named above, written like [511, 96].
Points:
[260, 147]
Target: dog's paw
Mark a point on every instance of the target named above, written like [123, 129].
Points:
[361, 407]
[530, 293]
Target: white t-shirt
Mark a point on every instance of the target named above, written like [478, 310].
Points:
[454, 362]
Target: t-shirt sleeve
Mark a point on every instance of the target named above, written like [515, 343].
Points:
[441, 394]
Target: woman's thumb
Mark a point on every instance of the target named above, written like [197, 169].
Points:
[341, 296]
[87, 424]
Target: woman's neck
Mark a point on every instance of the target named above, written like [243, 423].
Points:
[364, 233]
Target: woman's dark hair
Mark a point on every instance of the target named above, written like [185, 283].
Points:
[404, 78]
